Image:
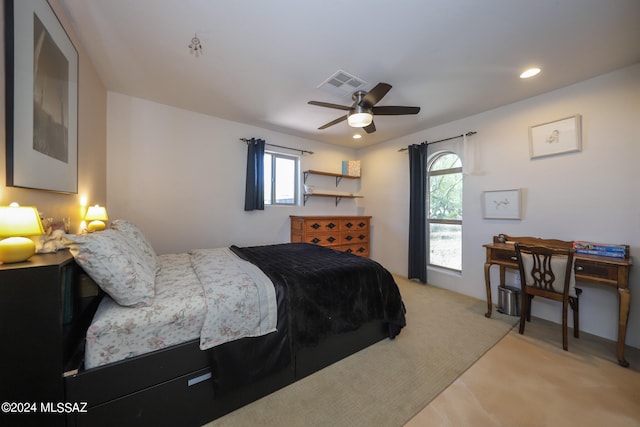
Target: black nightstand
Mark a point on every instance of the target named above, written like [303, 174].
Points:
[44, 312]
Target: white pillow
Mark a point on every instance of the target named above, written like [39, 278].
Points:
[113, 263]
[137, 239]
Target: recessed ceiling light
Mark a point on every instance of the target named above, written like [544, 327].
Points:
[530, 73]
[357, 136]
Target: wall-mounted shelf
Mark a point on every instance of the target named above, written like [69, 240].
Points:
[338, 177]
[337, 196]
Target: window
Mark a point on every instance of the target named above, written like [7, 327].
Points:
[444, 220]
[280, 179]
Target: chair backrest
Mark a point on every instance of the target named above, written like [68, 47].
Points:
[548, 269]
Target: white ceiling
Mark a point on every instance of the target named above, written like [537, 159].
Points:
[263, 60]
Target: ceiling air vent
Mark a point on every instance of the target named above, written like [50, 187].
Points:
[343, 83]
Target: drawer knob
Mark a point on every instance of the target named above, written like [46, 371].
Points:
[349, 238]
[514, 258]
[579, 268]
[349, 225]
[362, 237]
[315, 240]
[362, 224]
[331, 225]
[315, 225]
[331, 239]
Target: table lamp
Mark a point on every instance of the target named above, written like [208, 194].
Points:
[97, 215]
[16, 222]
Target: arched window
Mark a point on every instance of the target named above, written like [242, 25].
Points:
[444, 219]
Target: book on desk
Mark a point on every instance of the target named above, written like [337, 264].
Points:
[601, 249]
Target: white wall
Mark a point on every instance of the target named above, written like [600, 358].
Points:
[180, 176]
[589, 195]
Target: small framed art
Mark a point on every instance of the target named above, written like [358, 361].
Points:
[560, 136]
[502, 204]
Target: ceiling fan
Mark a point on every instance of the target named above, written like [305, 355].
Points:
[361, 113]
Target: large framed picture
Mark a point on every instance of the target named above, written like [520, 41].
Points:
[560, 136]
[502, 204]
[41, 99]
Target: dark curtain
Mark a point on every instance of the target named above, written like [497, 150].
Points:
[418, 212]
[254, 189]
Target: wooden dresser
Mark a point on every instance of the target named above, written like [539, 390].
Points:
[344, 233]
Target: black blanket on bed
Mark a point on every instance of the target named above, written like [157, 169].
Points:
[320, 292]
[328, 291]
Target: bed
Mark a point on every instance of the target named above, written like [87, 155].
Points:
[182, 339]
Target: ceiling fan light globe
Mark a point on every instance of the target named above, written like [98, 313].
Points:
[359, 120]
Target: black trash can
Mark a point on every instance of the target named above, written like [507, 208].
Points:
[509, 300]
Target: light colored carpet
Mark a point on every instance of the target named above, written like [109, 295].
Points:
[388, 383]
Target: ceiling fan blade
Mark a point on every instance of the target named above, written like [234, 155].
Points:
[376, 94]
[370, 129]
[389, 110]
[334, 122]
[329, 105]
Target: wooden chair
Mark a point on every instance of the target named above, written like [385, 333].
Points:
[547, 272]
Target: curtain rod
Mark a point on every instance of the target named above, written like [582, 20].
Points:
[442, 140]
[280, 146]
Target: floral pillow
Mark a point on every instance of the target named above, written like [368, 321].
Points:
[137, 239]
[116, 266]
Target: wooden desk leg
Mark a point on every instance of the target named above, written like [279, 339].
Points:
[625, 301]
[487, 283]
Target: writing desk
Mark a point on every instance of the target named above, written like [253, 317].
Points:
[602, 270]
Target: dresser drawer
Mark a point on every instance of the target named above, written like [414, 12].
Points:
[352, 224]
[323, 239]
[362, 250]
[348, 237]
[322, 225]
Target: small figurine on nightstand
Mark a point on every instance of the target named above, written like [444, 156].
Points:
[54, 231]
[51, 242]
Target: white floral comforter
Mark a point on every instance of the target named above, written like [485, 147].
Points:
[209, 293]
[241, 300]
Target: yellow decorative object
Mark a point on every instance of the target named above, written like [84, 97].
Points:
[16, 249]
[15, 223]
[97, 215]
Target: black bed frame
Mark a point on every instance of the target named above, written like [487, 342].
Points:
[174, 386]
[46, 307]
[183, 385]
